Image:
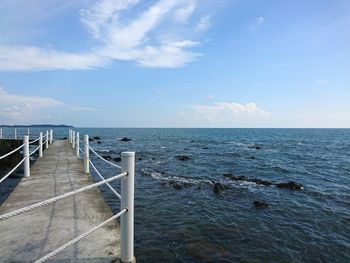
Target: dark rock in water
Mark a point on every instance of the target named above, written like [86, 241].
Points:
[90, 139]
[96, 138]
[252, 157]
[290, 185]
[183, 157]
[107, 157]
[98, 142]
[259, 204]
[177, 186]
[117, 159]
[262, 182]
[246, 179]
[139, 159]
[218, 188]
[64, 138]
[205, 148]
[236, 177]
[125, 139]
[257, 147]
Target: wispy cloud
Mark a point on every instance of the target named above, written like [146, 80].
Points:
[21, 109]
[257, 22]
[228, 110]
[156, 36]
[24, 109]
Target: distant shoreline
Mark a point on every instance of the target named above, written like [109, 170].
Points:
[37, 125]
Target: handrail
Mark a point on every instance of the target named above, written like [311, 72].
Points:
[15, 150]
[10, 172]
[82, 236]
[31, 142]
[99, 174]
[103, 159]
[37, 148]
[60, 197]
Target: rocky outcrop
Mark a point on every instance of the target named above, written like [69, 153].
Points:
[183, 157]
[290, 185]
[258, 204]
[125, 139]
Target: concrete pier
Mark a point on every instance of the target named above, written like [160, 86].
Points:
[29, 236]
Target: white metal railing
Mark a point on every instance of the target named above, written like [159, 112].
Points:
[26, 154]
[126, 196]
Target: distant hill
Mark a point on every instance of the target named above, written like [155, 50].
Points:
[38, 126]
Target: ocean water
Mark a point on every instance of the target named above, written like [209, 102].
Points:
[178, 217]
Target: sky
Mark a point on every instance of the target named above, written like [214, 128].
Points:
[175, 63]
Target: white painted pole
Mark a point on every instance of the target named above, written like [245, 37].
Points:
[77, 144]
[127, 201]
[51, 136]
[71, 136]
[73, 141]
[0, 133]
[86, 154]
[15, 134]
[26, 162]
[28, 132]
[47, 140]
[41, 145]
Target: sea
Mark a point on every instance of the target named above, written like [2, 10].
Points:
[179, 217]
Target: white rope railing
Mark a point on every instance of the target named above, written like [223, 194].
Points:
[10, 172]
[15, 150]
[82, 236]
[60, 197]
[99, 174]
[37, 148]
[103, 159]
[31, 142]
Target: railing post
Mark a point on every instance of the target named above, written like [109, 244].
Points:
[51, 136]
[86, 154]
[26, 162]
[28, 133]
[0, 133]
[15, 134]
[71, 136]
[41, 145]
[73, 141]
[47, 140]
[127, 201]
[77, 144]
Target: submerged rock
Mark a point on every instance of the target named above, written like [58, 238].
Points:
[258, 204]
[98, 142]
[290, 185]
[91, 140]
[107, 157]
[183, 157]
[117, 159]
[219, 188]
[257, 147]
[125, 139]
[96, 138]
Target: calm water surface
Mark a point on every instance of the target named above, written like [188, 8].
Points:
[193, 224]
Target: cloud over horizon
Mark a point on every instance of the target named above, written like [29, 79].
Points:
[161, 35]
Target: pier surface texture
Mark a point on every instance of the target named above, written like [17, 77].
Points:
[29, 236]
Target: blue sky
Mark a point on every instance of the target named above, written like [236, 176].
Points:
[175, 63]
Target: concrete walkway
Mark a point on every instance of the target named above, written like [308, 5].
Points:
[29, 236]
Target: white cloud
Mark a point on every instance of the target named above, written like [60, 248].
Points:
[33, 58]
[153, 37]
[228, 110]
[257, 22]
[17, 109]
[203, 23]
[20, 109]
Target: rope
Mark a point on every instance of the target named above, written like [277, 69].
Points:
[10, 172]
[99, 174]
[37, 148]
[60, 197]
[77, 239]
[15, 150]
[103, 159]
[99, 156]
[34, 141]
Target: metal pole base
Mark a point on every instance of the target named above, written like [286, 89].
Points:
[133, 261]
